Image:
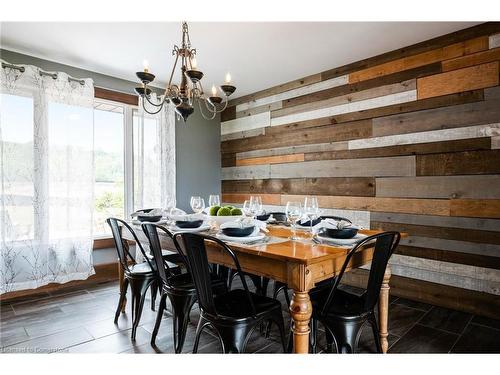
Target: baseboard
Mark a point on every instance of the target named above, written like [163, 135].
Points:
[103, 273]
[466, 300]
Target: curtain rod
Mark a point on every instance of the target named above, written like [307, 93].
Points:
[42, 73]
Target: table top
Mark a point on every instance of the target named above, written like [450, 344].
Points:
[302, 250]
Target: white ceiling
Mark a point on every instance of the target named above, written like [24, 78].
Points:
[258, 55]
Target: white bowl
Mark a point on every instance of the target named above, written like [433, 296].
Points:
[224, 219]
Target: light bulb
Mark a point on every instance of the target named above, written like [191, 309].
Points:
[193, 63]
[228, 78]
[214, 91]
[145, 64]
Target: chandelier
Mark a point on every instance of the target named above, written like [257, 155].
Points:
[190, 89]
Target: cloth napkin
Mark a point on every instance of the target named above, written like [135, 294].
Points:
[187, 217]
[245, 223]
[333, 224]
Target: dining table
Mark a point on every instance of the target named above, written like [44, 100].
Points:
[300, 264]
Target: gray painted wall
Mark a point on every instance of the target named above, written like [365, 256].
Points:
[197, 141]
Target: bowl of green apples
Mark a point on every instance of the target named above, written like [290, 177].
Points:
[224, 214]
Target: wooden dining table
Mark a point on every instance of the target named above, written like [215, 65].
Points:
[298, 263]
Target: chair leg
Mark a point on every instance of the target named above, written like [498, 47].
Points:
[121, 301]
[159, 317]
[313, 335]
[139, 288]
[202, 323]
[181, 306]
[375, 330]
[230, 277]
[154, 291]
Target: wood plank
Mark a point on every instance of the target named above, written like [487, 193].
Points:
[452, 245]
[470, 301]
[471, 78]
[470, 283]
[478, 131]
[440, 221]
[333, 133]
[485, 279]
[458, 234]
[305, 90]
[450, 256]
[256, 110]
[271, 160]
[352, 186]
[242, 197]
[246, 123]
[382, 101]
[495, 143]
[370, 93]
[438, 118]
[319, 147]
[228, 114]
[472, 144]
[373, 167]
[471, 60]
[243, 134]
[439, 207]
[228, 160]
[391, 166]
[429, 57]
[479, 187]
[459, 163]
[489, 208]
[365, 85]
[494, 41]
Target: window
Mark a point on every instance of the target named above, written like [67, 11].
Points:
[109, 165]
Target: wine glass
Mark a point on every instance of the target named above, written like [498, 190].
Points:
[214, 200]
[293, 213]
[247, 210]
[255, 205]
[197, 204]
[311, 209]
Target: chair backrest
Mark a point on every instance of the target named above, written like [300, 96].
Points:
[193, 246]
[117, 225]
[151, 232]
[383, 245]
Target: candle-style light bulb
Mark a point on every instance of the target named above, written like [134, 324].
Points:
[228, 79]
[194, 64]
[145, 64]
[214, 91]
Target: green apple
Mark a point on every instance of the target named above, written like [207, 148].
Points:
[213, 210]
[236, 212]
[224, 211]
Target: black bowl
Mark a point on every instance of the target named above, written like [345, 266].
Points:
[263, 217]
[238, 232]
[189, 224]
[340, 233]
[150, 218]
[308, 223]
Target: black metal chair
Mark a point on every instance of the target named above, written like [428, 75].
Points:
[179, 288]
[140, 276]
[342, 313]
[235, 314]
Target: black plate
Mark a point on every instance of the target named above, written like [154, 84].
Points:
[340, 233]
[263, 217]
[238, 232]
[151, 219]
[189, 224]
[308, 223]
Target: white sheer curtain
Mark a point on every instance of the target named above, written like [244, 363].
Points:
[46, 179]
[154, 158]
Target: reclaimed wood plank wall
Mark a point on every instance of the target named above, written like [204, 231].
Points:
[408, 140]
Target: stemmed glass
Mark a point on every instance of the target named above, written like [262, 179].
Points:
[311, 209]
[197, 204]
[247, 210]
[214, 200]
[293, 213]
[256, 205]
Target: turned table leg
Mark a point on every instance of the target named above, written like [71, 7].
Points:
[383, 306]
[301, 311]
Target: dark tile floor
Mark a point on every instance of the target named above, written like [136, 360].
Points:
[81, 321]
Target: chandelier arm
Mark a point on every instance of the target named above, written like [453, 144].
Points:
[153, 112]
[154, 104]
[172, 74]
[212, 114]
